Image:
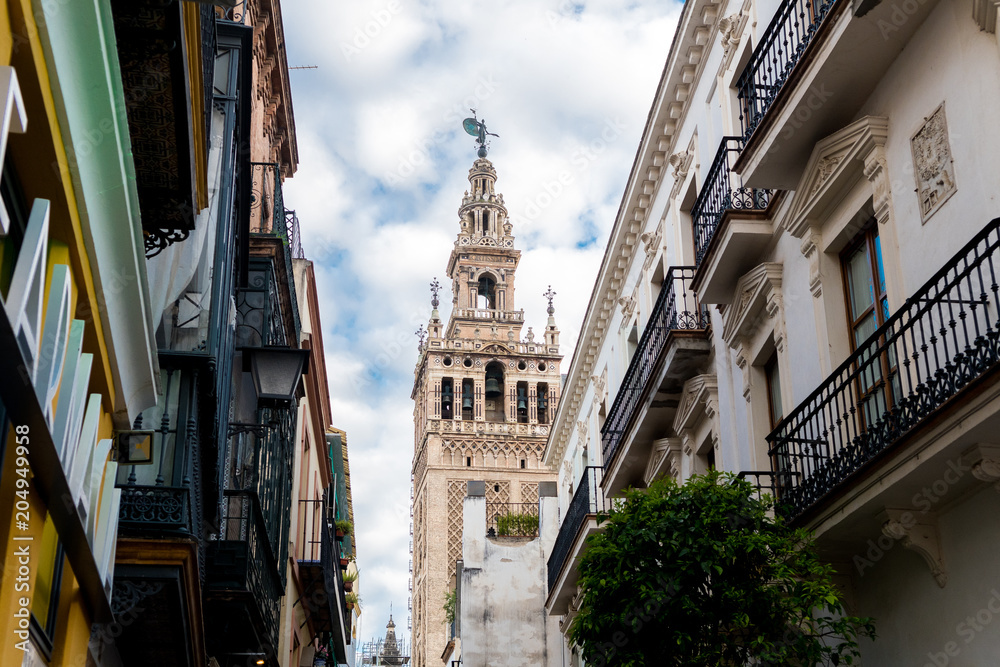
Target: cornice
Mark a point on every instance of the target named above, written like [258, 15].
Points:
[691, 43]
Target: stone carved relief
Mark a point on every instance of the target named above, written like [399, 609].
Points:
[681, 162]
[933, 165]
[824, 168]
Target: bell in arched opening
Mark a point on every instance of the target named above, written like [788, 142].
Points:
[494, 381]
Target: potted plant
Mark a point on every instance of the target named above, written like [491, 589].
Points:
[352, 600]
[322, 656]
[349, 579]
[344, 528]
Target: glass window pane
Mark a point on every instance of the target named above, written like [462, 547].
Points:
[859, 282]
[774, 391]
[878, 261]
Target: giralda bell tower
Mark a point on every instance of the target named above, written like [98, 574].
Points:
[484, 395]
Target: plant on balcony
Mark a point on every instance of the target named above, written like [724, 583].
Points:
[450, 602]
[352, 600]
[517, 524]
[344, 528]
[349, 579]
[704, 574]
[322, 656]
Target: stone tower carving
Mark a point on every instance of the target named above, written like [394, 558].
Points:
[484, 396]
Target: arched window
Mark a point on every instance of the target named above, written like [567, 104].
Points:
[487, 292]
[494, 392]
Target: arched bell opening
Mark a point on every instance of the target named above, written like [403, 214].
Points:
[487, 292]
[522, 403]
[494, 392]
[447, 398]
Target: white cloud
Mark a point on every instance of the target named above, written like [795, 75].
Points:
[384, 162]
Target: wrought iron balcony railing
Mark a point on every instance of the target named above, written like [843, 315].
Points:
[722, 191]
[942, 340]
[766, 481]
[511, 519]
[588, 499]
[158, 497]
[268, 217]
[778, 52]
[242, 559]
[676, 309]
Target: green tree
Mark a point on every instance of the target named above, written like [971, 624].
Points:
[703, 574]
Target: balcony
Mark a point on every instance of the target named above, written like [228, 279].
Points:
[579, 523]
[672, 348]
[814, 67]
[517, 520]
[915, 397]
[731, 226]
[243, 585]
[321, 584]
[273, 227]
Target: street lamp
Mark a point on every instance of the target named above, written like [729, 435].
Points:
[276, 372]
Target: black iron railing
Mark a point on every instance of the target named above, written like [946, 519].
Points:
[944, 338]
[269, 217]
[677, 309]
[772, 62]
[158, 496]
[242, 558]
[722, 191]
[312, 514]
[259, 319]
[511, 519]
[588, 500]
[766, 481]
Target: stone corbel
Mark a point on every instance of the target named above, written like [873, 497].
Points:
[680, 162]
[984, 460]
[775, 312]
[810, 250]
[916, 535]
[877, 172]
[744, 364]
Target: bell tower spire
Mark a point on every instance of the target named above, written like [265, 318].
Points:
[484, 399]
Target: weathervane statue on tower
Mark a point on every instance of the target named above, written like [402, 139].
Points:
[477, 128]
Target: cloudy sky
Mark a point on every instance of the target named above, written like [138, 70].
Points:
[383, 163]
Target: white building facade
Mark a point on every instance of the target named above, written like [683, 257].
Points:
[800, 287]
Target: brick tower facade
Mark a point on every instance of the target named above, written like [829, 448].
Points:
[484, 397]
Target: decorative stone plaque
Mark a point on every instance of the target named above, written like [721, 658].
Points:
[933, 166]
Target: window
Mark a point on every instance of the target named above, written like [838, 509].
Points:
[773, 377]
[467, 401]
[522, 402]
[494, 392]
[447, 398]
[543, 403]
[487, 292]
[867, 310]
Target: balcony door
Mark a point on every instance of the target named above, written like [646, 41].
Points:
[877, 374]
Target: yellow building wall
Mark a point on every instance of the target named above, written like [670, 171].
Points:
[44, 172]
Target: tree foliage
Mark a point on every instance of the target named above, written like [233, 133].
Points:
[703, 574]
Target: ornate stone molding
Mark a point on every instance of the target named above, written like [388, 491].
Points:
[837, 163]
[651, 241]
[664, 459]
[810, 250]
[984, 460]
[757, 298]
[699, 400]
[920, 536]
[933, 165]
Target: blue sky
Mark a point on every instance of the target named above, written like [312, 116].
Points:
[383, 163]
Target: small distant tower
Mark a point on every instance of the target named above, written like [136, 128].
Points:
[484, 396]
